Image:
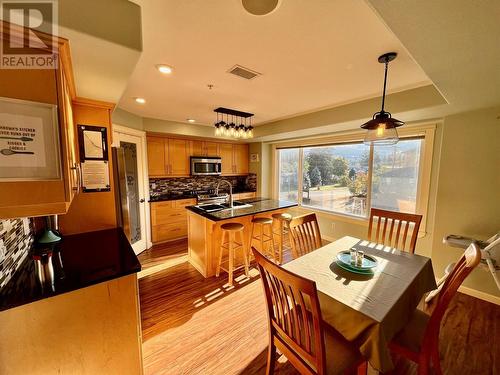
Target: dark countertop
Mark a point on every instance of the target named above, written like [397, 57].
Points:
[174, 197]
[259, 205]
[87, 259]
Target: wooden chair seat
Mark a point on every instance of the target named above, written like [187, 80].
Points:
[262, 220]
[232, 226]
[282, 216]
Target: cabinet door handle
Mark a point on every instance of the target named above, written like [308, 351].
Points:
[76, 168]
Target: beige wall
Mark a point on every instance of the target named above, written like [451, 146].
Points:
[468, 194]
[464, 195]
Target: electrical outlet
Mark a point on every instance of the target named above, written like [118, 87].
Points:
[26, 225]
[3, 251]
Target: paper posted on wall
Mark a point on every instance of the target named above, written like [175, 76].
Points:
[22, 141]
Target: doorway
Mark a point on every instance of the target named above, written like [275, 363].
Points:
[136, 213]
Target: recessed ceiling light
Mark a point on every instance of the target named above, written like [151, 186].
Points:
[165, 69]
[140, 100]
[191, 120]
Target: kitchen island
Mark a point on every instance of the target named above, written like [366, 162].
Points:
[204, 233]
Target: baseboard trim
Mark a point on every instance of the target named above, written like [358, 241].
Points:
[481, 295]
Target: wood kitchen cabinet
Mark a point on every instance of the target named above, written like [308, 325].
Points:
[50, 86]
[240, 155]
[177, 161]
[157, 165]
[234, 159]
[168, 157]
[202, 148]
[226, 154]
[169, 219]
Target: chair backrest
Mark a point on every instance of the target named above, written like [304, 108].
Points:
[392, 229]
[469, 260]
[305, 234]
[294, 315]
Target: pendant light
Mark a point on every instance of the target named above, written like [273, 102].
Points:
[381, 129]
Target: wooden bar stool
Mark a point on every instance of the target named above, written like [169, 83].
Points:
[264, 238]
[283, 220]
[228, 241]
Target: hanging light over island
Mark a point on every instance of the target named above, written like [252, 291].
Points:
[381, 129]
[233, 123]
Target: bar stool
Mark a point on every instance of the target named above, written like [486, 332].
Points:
[282, 219]
[264, 223]
[228, 232]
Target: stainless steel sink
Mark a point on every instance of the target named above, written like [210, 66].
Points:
[222, 207]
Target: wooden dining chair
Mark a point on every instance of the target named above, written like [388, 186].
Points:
[419, 340]
[393, 228]
[304, 235]
[296, 328]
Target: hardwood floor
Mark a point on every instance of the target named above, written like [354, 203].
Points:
[193, 325]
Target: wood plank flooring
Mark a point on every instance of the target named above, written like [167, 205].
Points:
[193, 325]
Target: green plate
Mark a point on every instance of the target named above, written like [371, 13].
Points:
[350, 269]
[369, 262]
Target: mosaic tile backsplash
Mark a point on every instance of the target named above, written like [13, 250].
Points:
[16, 243]
[164, 185]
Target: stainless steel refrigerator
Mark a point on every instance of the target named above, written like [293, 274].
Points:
[127, 199]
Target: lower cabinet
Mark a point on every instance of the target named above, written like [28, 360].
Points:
[169, 219]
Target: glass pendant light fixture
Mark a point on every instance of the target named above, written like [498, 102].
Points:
[236, 129]
[381, 129]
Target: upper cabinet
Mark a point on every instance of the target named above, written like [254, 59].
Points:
[178, 157]
[202, 148]
[32, 195]
[240, 158]
[226, 154]
[157, 165]
[169, 157]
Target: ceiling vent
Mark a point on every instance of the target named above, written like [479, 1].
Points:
[243, 72]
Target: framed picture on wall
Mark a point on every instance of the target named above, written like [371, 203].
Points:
[29, 141]
[93, 144]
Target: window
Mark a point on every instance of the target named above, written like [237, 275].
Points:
[351, 178]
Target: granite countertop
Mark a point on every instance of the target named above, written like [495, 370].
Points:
[259, 205]
[78, 261]
[173, 197]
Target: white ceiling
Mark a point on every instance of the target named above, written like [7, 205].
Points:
[312, 55]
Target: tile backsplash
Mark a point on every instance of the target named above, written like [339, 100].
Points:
[15, 243]
[164, 185]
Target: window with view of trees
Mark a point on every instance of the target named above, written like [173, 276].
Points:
[351, 178]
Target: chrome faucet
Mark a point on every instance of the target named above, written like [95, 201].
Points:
[230, 191]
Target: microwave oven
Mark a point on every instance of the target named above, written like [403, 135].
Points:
[206, 166]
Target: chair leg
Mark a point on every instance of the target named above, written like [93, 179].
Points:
[363, 368]
[271, 358]
[273, 249]
[436, 365]
[231, 258]
[217, 270]
[280, 244]
[423, 366]
[245, 254]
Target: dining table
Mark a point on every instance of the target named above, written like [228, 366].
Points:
[368, 309]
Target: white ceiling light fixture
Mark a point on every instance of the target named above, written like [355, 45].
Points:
[191, 120]
[260, 7]
[140, 100]
[165, 69]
